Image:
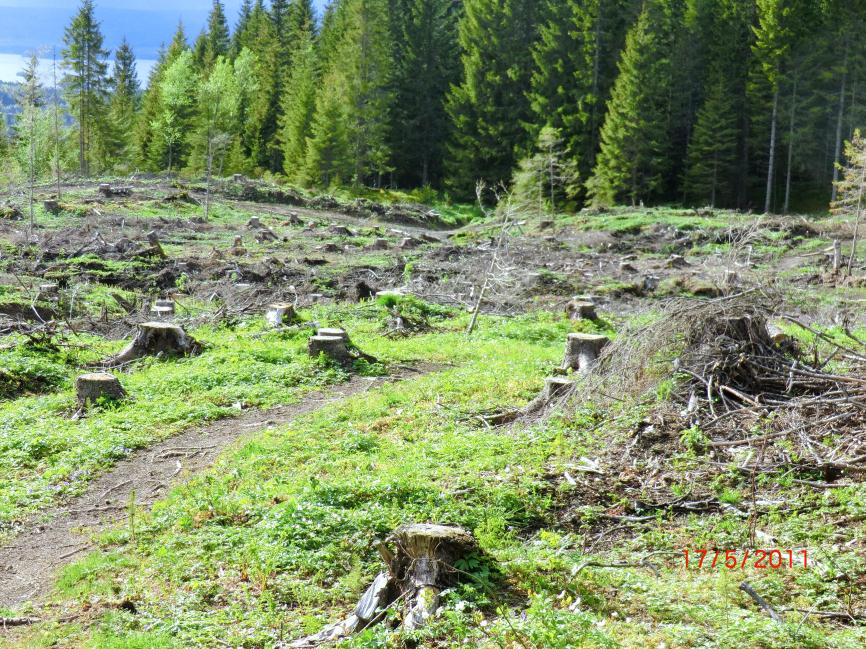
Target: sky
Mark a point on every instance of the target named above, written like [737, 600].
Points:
[38, 25]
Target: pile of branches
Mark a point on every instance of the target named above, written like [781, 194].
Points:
[758, 399]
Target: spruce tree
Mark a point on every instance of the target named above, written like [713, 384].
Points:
[361, 67]
[260, 143]
[218, 39]
[86, 80]
[299, 102]
[427, 65]
[575, 66]
[244, 14]
[125, 90]
[489, 109]
[635, 140]
[329, 150]
[712, 154]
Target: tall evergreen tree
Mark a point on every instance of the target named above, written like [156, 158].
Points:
[259, 140]
[125, 90]
[575, 66]
[635, 138]
[712, 154]
[218, 38]
[299, 102]
[86, 80]
[427, 65]
[361, 68]
[489, 109]
[244, 14]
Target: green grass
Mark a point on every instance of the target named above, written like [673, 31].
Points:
[278, 538]
[45, 454]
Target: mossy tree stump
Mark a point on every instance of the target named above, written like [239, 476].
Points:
[90, 388]
[582, 352]
[156, 339]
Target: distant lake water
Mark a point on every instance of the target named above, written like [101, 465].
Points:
[12, 64]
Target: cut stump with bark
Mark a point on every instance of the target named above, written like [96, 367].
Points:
[280, 314]
[89, 388]
[156, 339]
[335, 344]
[421, 560]
[580, 310]
[582, 352]
[333, 347]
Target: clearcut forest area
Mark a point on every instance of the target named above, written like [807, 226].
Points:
[510, 324]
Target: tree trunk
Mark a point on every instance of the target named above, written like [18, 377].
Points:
[837, 156]
[790, 149]
[772, 165]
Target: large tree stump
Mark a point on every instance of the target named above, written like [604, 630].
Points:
[280, 314]
[423, 566]
[156, 339]
[51, 206]
[333, 347]
[582, 351]
[421, 561]
[89, 388]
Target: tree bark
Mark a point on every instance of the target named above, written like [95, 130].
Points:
[772, 165]
[790, 149]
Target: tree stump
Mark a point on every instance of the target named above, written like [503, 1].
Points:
[676, 261]
[423, 566]
[104, 189]
[156, 246]
[238, 249]
[254, 223]
[280, 314]
[409, 243]
[340, 230]
[156, 339]
[162, 308]
[333, 347]
[420, 566]
[51, 206]
[89, 388]
[379, 244]
[582, 352]
[333, 332]
[238, 178]
[49, 290]
[581, 310]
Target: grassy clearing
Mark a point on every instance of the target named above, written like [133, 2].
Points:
[278, 538]
[45, 454]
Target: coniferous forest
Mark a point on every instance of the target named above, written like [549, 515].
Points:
[743, 104]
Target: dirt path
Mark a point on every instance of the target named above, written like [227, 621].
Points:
[30, 562]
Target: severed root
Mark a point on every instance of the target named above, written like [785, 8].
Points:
[156, 339]
[421, 564]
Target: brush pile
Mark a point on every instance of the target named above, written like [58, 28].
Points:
[737, 393]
